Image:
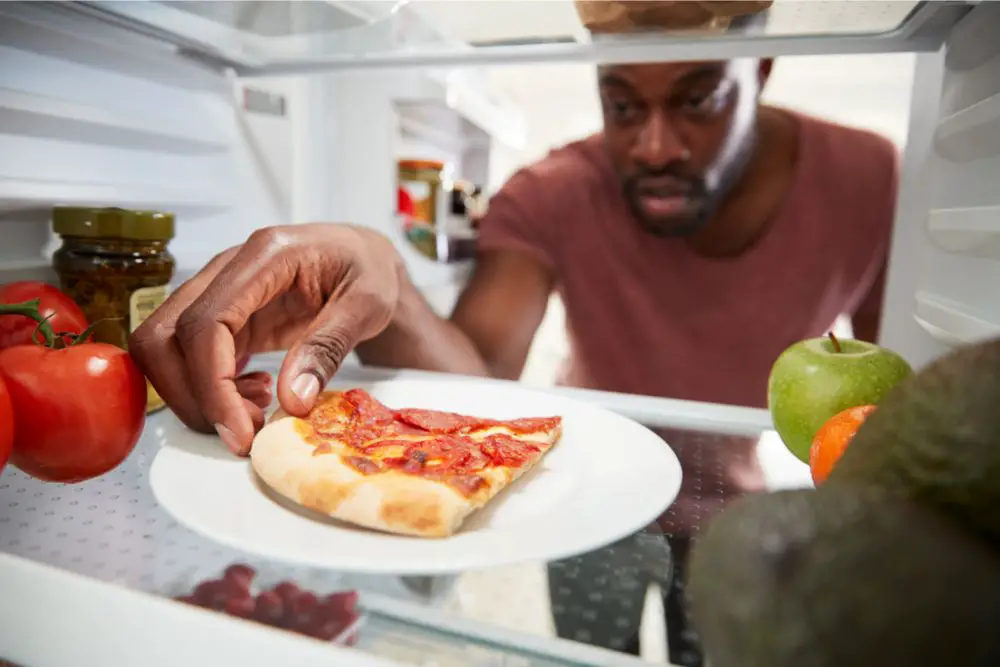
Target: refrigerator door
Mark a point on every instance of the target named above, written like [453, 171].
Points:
[945, 261]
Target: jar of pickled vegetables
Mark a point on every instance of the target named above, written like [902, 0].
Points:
[115, 264]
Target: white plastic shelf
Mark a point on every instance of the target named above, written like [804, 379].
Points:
[969, 231]
[51, 118]
[972, 133]
[33, 198]
[951, 324]
[973, 40]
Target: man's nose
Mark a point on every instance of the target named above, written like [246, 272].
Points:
[658, 144]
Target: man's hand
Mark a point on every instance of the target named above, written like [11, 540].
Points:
[316, 290]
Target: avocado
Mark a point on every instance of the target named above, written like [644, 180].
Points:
[842, 576]
[935, 438]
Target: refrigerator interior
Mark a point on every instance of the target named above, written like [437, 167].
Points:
[96, 113]
[237, 120]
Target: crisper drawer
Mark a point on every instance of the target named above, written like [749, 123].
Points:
[54, 618]
[62, 618]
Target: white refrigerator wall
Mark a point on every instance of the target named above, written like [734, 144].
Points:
[92, 114]
[101, 117]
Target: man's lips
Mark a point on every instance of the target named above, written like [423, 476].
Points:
[663, 187]
[659, 205]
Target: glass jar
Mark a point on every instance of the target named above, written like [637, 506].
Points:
[421, 179]
[115, 264]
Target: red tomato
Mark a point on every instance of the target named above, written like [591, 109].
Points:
[80, 410]
[63, 313]
[6, 425]
[833, 438]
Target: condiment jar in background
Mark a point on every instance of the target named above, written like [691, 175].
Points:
[115, 264]
[422, 181]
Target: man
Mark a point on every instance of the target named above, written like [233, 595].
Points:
[692, 241]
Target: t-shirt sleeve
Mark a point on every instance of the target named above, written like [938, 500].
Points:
[519, 219]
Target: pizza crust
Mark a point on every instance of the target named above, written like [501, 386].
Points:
[390, 501]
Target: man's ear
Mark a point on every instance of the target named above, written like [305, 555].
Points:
[764, 71]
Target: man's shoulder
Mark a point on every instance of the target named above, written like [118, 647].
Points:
[853, 151]
[580, 163]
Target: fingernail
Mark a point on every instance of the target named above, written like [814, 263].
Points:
[228, 437]
[306, 386]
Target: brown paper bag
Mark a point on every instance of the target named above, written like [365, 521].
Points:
[617, 16]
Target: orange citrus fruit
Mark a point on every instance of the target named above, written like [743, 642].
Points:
[832, 439]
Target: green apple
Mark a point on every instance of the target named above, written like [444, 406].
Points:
[815, 379]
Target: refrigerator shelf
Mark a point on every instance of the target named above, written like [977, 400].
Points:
[435, 33]
[112, 529]
[951, 324]
[972, 133]
[61, 120]
[34, 198]
[973, 231]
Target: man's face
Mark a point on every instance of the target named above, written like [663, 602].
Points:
[680, 136]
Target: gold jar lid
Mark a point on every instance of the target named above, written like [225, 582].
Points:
[117, 223]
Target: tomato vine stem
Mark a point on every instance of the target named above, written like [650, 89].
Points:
[30, 309]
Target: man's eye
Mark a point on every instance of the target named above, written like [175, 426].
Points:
[699, 103]
[620, 110]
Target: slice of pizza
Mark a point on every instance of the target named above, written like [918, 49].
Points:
[406, 471]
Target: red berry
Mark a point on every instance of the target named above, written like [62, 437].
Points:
[242, 607]
[303, 610]
[211, 594]
[235, 586]
[343, 603]
[325, 629]
[240, 573]
[270, 608]
[287, 590]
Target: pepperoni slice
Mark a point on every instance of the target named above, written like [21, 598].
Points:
[367, 410]
[503, 450]
[434, 421]
[532, 424]
[444, 454]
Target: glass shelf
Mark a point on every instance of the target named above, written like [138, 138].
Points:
[112, 529]
[276, 37]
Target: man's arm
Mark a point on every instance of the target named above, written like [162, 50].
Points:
[490, 331]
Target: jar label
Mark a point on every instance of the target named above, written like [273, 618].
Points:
[423, 201]
[142, 303]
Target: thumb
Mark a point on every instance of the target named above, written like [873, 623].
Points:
[314, 359]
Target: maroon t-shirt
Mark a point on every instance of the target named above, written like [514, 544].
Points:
[648, 315]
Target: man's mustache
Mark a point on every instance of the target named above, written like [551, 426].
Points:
[664, 182]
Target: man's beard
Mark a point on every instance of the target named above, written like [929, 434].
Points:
[707, 199]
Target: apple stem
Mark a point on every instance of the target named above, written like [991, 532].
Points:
[836, 343]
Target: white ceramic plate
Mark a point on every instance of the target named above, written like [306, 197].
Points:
[607, 478]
